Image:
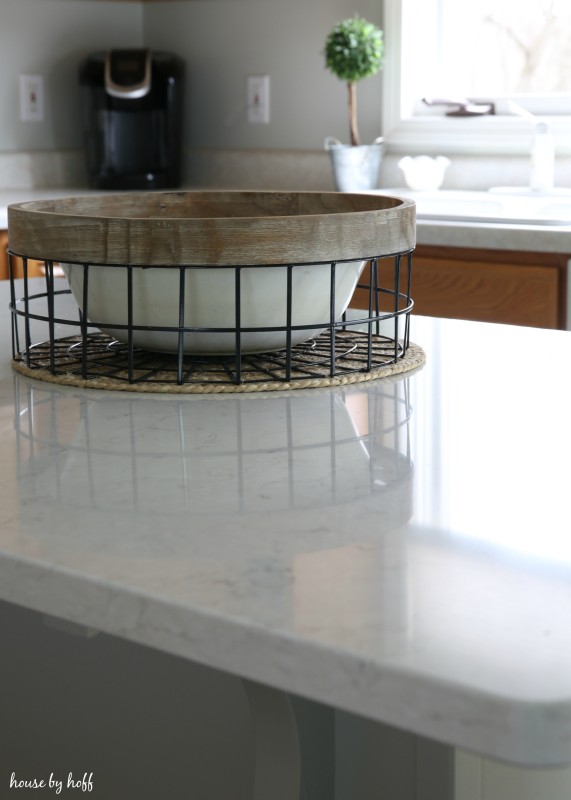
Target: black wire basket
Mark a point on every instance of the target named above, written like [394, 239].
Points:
[108, 326]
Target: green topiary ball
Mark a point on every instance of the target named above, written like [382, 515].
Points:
[354, 49]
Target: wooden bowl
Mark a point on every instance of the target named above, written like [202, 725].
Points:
[213, 232]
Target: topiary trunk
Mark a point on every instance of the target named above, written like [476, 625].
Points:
[355, 140]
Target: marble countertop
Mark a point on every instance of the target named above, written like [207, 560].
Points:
[494, 236]
[481, 231]
[399, 549]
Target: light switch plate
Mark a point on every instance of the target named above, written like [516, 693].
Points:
[31, 98]
[258, 99]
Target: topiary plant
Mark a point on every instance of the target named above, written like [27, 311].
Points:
[353, 51]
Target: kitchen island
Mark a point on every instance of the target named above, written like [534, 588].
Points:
[397, 550]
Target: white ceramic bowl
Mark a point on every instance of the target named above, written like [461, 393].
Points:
[209, 303]
[424, 173]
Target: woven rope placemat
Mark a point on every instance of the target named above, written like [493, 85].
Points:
[203, 383]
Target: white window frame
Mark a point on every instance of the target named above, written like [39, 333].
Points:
[434, 132]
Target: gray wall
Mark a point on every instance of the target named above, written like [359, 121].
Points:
[49, 38]
[222, 42]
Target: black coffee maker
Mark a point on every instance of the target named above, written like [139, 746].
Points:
[132, 119]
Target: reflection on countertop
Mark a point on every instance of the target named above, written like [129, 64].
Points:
[165, 457]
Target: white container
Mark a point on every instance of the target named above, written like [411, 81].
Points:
[210, 303]
[423, 173]
[355, 168]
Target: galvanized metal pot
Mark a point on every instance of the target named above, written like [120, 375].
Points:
[355, 169]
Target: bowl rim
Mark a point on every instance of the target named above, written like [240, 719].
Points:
[152, 229]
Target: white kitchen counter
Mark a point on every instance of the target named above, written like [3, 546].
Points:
[495, 236]
[487, 222]
[399, 549]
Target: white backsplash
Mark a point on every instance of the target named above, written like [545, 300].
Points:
[42, 169]
[287, 170]
[221, 168]
[301, 170]
[310, 170]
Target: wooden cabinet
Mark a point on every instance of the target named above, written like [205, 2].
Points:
[35, 268]
[518, 288]
[4, 262]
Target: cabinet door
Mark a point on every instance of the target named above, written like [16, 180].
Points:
[4, 264]
[35, 268]
[487, 285]
[487, 291]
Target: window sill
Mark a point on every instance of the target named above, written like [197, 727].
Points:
[486, 135]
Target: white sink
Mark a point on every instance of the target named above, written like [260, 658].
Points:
[500, 205]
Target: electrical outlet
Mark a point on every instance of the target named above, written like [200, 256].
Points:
[31, 98]
[258, 98]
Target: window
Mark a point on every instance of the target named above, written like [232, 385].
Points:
[500, 51]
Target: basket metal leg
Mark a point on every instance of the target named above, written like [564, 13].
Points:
[332, 353]
[396, 305]
[49, 275]
[289, 304]
[238, 323]
[83, 317]
[408, 300]
[15, 330]
[27, 334]
[180, 348]
[373, 267]
[130, 324]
